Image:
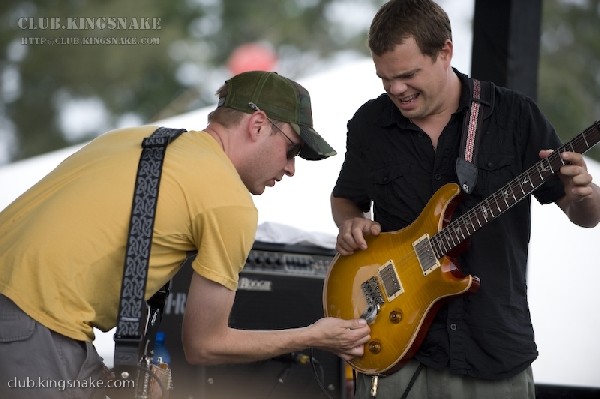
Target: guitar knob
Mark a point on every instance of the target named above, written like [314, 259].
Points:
[375, 346]
[395, 316]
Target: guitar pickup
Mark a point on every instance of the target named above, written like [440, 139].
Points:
[390, 280]
[426, 255]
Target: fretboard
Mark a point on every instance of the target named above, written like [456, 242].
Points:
[510, 194]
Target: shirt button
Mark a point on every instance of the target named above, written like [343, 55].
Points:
[437, 177]
[453, 327]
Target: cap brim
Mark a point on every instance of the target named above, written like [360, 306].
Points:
[315, 147]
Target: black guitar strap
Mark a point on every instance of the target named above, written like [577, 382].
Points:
[133, 310]
[482, 104]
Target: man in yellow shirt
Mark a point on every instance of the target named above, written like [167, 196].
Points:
[62, 243]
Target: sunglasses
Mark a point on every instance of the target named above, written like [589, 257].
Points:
[294, 148]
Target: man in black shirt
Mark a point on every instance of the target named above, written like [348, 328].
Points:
[401, 148]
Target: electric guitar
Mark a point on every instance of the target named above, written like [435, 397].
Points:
[399, 282]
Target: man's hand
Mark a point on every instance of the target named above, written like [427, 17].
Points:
[581, 202]
[345, 338]
[574, 175]
[352, 233]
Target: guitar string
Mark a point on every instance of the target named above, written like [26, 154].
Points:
[445, 240]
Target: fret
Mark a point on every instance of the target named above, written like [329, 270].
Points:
[444, 243]
[495, 198]
[471, 216]
[477, 215]
[463, 226]
[448, 242]
[570, 145]
[463, 222]
[439, 248]
[535, 179]
[464, 231]
[585, 140]
[539, 168]
[521, 186]
[518, 191]
[541, 174]
[545, 167]
[527, 181]
[454, 239]
[466, 224]
[558, 161]
[484, 211]
[507, 196]
[489, 215]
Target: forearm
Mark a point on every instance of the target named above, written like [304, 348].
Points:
[244, 346]
[343, 209]
[345, 338]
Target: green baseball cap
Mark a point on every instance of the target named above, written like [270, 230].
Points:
[281, 99]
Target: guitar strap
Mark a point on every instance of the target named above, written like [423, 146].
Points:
[482, 104]
[133, 314]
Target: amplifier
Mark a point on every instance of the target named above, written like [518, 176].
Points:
[280, 287]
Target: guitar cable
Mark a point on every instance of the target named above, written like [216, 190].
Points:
[319, 375]
[412, 380]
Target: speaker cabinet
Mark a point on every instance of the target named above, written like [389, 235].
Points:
[506, 43]
[280, 287]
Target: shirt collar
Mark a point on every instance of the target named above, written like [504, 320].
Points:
[466, 92]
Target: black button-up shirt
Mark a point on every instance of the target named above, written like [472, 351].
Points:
[392, 167]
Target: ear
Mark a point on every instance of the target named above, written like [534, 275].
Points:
[446, 52]
[254, 125]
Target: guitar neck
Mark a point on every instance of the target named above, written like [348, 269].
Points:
[510, 194]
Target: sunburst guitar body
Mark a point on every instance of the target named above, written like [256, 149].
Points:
[395, 289]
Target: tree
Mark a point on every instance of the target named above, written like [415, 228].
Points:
[60, 54]
[569, 78]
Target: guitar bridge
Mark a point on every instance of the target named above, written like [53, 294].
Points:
[424, 251]
[372, 293]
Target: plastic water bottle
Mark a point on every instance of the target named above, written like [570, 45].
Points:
[160, 354]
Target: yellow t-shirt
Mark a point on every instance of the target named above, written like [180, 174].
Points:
[62, 243]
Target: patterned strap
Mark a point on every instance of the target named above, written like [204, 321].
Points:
[472, 126]
[131, 322]
[466, 168]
